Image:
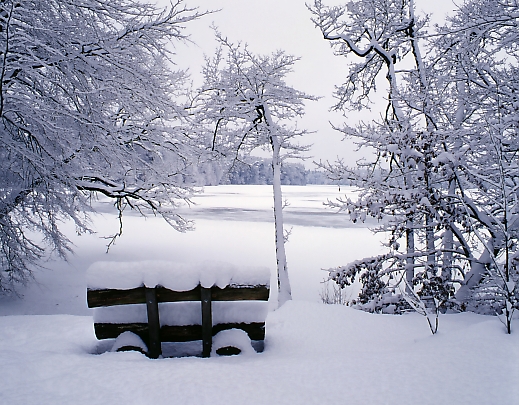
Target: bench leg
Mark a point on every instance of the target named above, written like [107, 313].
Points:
[207, 322]
[152, 306]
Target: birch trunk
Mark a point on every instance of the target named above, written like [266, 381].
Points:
[284, 289]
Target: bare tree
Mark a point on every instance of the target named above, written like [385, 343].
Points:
[444, 174]
[245, 104]
[87, 106]
[402, 185]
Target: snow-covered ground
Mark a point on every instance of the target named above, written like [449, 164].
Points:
[314, 353]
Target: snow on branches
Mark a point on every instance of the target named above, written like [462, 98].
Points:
[443, 181]
[88, 105]
[245, 104]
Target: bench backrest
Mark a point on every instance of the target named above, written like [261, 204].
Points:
[152, 333]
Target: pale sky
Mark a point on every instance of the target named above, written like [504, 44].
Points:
[269, 25]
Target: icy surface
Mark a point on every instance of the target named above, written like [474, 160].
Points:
[175, 276]
[320, 239]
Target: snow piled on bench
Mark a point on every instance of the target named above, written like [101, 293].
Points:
[185, 313]
[175, 276]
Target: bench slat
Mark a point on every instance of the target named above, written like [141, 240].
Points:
[166, 295]
[110, 297]
[113, 330]
[186, 333]
[232, 293]
[106, 298]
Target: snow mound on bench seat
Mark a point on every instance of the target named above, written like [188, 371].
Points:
[129, 339]
[175, 276]
[234, 338]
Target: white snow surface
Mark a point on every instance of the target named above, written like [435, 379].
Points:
[172, 275]
[314, 353]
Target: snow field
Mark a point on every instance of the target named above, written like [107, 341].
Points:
[314, 353]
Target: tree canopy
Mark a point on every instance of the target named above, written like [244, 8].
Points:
[88, 105]
[443, 180]
[245, 103]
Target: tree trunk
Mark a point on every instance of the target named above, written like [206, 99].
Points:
[448, 244]
[284, 290]
[409, 268]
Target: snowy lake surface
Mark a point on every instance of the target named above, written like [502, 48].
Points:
[233, 224]
[314, 353]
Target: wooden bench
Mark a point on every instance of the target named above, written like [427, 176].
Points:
[154, 334]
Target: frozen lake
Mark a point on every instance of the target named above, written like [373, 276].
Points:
[232, 224]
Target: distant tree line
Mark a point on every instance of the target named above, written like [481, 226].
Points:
[256, 170]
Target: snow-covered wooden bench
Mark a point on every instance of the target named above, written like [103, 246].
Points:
[167, 302]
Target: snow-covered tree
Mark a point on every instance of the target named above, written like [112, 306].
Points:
[246, 104]
[444, 173]
[87, 106]
[402, 185]
[482, 41]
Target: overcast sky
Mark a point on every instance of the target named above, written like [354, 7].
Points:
[269, 25]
